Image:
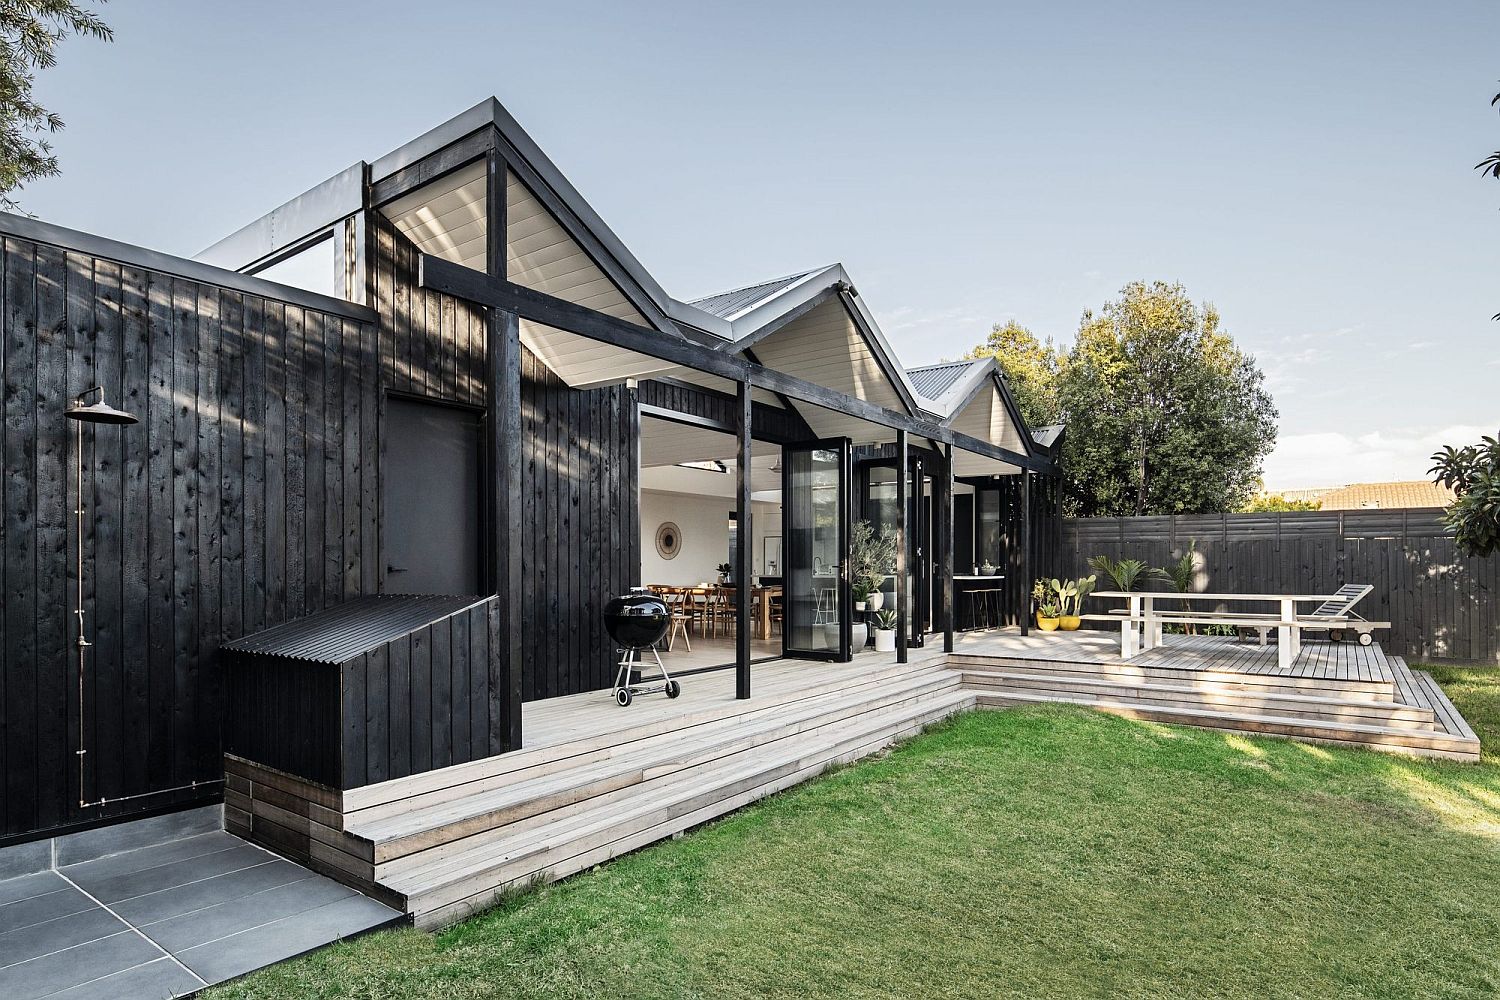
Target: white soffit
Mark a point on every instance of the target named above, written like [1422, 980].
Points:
[825, 347]
[446, 218]
[541, 255]
[669, 443]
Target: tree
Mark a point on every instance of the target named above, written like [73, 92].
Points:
[1164, 413]
[1270, 503]
[1031, 369]
[29, 33]
[1473, 474]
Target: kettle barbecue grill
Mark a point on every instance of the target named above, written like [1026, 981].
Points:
[637, 621]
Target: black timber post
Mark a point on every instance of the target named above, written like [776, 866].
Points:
[1023, 590]
[903, 538]
[742, 541]
[945, 547]
[503, 453]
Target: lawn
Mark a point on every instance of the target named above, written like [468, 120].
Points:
[1041, 852]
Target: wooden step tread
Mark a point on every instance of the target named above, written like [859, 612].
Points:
[1378, 690]
[684, 792]
[1339, 732]
[682, 750]
[1147, 687]
[1448, 716]
[370, 796]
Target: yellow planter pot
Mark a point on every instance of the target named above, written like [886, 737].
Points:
[1070, 623]
[1047, 624]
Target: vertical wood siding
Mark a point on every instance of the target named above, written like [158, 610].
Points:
[578, 496]
[1442, 605]
[243, 497]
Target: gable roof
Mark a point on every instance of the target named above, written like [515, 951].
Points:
[728, 305]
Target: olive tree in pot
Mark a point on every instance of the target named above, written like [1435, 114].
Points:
[872, 558]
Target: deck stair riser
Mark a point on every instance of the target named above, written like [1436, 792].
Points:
[1211, 696]
[583, 840]
[399, 793]
[425, 828]
[1374, 690]
[1433, 744]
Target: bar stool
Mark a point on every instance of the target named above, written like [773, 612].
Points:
[979, 614]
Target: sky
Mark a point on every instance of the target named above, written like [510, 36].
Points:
[1307, 168]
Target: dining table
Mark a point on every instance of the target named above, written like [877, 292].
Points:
[761, 596]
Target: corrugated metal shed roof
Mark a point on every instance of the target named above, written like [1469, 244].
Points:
[934, 380]
[727, 304]
[342, 632]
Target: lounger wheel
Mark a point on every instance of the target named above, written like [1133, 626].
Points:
[673, 689]
[1366, 639]
[622, 697]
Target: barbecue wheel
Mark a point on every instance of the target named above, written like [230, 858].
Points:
[1336, 635]
[1366, 638]
[673, 689]
[622, 697]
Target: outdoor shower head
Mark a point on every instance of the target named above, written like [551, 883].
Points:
[98, 412]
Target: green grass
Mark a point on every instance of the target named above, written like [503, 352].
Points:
[1044, 852]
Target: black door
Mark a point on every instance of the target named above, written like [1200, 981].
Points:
[816, 602]
[431, 495]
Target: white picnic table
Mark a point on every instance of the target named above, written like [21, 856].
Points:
[1142, 611]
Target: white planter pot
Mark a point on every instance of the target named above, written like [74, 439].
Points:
[860, 605]
[885, 640]
[860, 634]
[876, 601]
[831, 635]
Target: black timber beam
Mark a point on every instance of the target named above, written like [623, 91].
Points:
[467, 150]
[903, 539]
[744, 533]
[467, 283]
[945, 548]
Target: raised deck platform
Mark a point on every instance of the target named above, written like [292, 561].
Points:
[595, 780]
[1340, 693]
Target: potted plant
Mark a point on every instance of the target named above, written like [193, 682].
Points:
[872, 558]
[861, 589]
[885, 631]
[1071, 594]
[724, 571]
[1048, 607]
[988, 568]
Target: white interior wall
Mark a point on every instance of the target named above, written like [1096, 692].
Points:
[704, 524]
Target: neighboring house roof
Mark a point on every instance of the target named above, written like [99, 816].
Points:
[728, 305]
[1387, 496]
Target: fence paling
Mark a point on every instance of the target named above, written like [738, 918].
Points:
[1442, 605]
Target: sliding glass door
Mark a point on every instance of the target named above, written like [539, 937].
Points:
[815, 549]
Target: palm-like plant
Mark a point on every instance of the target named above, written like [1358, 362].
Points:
[1126, 574]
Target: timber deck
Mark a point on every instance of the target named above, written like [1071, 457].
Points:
[595, 780]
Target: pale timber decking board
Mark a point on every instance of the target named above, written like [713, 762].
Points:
[1319, 660]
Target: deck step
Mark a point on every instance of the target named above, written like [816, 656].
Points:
[443, 890]
[1205, 695]
[1120, 670]
[1434, 743]
[486, 808]
[399, 794]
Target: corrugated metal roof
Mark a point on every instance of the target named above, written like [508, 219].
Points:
[934, 380]
[1047, 436]
[727, 304]
[342, 632]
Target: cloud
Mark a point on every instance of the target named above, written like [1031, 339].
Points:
[952, 319]
[1331, 458]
